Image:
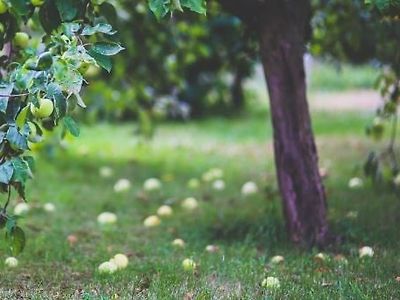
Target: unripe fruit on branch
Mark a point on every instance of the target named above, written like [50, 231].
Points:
[21, 39]
[3, 7]
[37, 3]
[44, 110]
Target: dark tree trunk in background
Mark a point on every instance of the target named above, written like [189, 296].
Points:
[283, 27]
[237, 91]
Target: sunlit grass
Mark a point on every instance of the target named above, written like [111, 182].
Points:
[249, 231]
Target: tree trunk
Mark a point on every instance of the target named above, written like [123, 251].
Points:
[237, 91]
[283, 27]
[283, 35]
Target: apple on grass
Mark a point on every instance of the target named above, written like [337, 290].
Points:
[188, 265]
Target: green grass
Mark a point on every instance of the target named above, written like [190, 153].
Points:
[328, 77]
[248, 230]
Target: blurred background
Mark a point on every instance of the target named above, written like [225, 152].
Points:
[192, 67]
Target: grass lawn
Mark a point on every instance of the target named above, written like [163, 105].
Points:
[247, 230]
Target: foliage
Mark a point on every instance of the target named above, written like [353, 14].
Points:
[187, 64]
[349, 30]
[389, 8]
[41, 81]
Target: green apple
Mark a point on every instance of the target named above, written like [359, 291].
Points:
[21, 39]
[83, 67]
[3, 7]
[92, 71]
[44, 110]
[37, 2]
[188, 264]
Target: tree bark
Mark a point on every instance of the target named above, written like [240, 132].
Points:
[282, 49]
[283, 27]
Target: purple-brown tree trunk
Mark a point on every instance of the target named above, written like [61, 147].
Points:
[282, 49]
[283, 27]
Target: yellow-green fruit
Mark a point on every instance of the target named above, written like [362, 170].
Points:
[92, 71]
[3, 7]
[1, 28]
[21, 39]
[37, 2]
[188, 264]
[83, 67]
[44, 110]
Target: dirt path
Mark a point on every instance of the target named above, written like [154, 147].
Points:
[359, 100]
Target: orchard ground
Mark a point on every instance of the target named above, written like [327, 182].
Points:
[247, 230]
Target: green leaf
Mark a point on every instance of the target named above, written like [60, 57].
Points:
[11, 224]
[102, 60]
[71, 126]
[107, 49]
[5, 89]
[68, 78]
[68, 9]
[21, 7]
[21, 170]
[60, 102]
[16, 240]
[101, 27]
[16, 140]
[159, 7]
[45, 61]
[30, 161]
[13, 108]
[49, 16]
[198, 6]
[21, 118]
[6, 172]
[70, 29]
[80, 101]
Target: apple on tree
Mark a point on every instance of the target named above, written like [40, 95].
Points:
[21, 39]
[44, 110]
[37, 3]
[3, 7]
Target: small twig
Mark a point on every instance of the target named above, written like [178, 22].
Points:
[14, 95]
[392, 142]
[394, 131]
[8, 200]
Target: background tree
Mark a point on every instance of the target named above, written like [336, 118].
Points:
[339, 34]
[284, 28]
[41, 80]
[190, 60]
